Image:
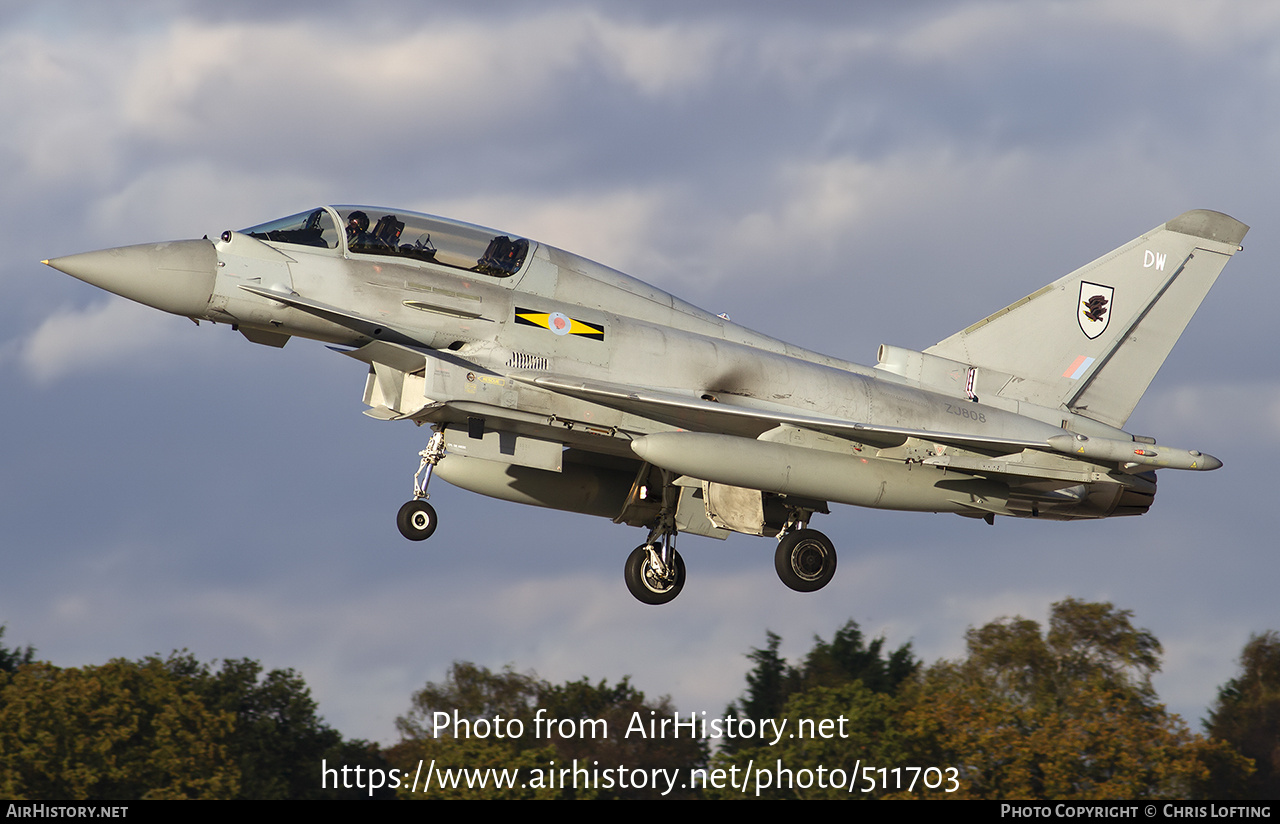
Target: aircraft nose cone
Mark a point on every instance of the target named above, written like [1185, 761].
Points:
[176, 277]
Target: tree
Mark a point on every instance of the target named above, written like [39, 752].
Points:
[165, 728]
[818, 762]
[277, 739]
[619, 740]
[846, 681]
[849, 657]
[493, 722]
[11, 659]
[472, 693]
[1068, 714]
[123, 730]
[846, 659]
[769, 683]
[1246, 715]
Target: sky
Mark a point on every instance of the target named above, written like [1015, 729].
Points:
[835, 174]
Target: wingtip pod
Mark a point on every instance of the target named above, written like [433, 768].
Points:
[1210, 225]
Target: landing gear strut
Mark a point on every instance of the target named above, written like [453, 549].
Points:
[654, 570]
[417, 519]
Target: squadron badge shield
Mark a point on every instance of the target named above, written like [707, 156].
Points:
[1094, 309]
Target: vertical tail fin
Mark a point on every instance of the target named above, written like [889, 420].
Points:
[1092, 341]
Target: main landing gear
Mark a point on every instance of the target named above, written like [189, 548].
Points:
[655, 571]
[417, 519]
[805, 559]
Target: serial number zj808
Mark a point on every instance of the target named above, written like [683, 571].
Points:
[965, 412]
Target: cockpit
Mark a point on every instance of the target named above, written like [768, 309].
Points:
[373, 231]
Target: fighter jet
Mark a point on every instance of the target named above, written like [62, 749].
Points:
[551, 380]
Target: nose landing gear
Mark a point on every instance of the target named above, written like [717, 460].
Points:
[417, 519]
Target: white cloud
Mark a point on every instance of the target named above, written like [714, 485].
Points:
[195, 198]
[450, 74]
[104, 335]
[1217, 25]
[656, 60]
[93, 104]
[67, 131]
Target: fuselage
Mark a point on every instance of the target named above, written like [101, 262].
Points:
[416, 280]
[552, 380]
[638, 334]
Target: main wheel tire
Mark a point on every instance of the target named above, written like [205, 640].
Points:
[417, 520]
[644, 583]
[805, 560]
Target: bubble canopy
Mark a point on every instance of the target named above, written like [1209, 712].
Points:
[371, 230]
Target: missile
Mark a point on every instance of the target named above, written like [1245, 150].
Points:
[1133, 454]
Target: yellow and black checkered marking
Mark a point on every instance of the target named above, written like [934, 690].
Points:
[544, 320]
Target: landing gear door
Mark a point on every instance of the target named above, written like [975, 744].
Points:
[691, 512]
[735, 508]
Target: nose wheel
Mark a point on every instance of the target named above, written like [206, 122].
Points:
[805, 560]
[417, 519]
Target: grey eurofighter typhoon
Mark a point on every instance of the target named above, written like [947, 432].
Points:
[551, 380]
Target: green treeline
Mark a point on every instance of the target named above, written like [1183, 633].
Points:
[163, 728]
[1061, 711]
